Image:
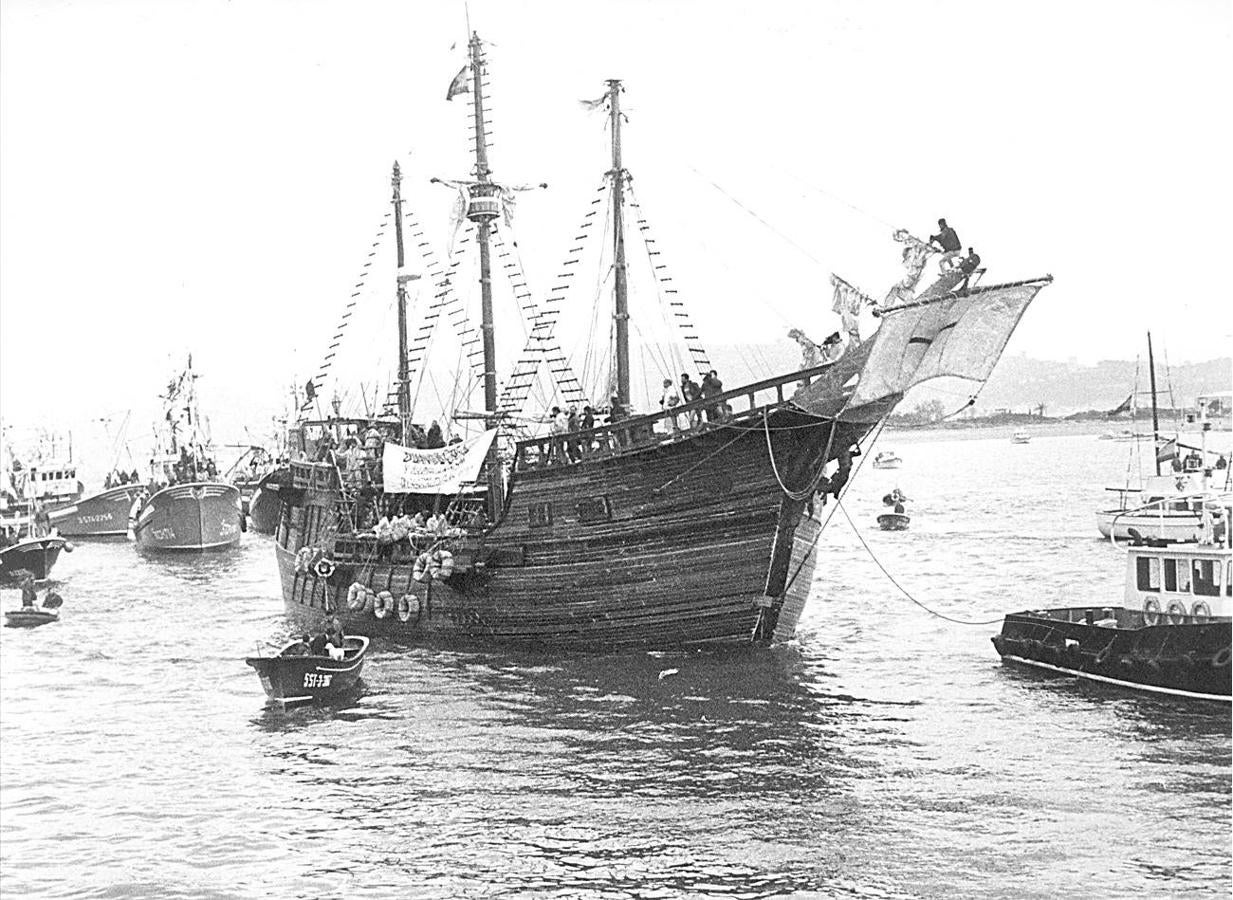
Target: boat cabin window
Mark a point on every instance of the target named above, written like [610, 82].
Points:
[1148, 570]
[1177, 575]
[1207, 578]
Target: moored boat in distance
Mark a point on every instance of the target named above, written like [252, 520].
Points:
[887, 459]
[1021, 437]
[1171, 634]
[297, 676]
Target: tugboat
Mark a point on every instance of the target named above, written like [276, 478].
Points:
[189, 508]
[696, 524]
[1171, 634]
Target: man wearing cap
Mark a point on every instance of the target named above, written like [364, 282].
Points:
[948, 242]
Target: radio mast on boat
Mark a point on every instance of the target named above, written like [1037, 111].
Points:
[620, 312]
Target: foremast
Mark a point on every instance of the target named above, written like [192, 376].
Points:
[620, 311]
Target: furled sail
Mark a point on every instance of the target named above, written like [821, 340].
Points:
[952, 335]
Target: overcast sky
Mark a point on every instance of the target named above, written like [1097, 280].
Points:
[208, 176]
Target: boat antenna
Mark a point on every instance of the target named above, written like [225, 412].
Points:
[1151, 368]
[404, 375]
[620, 311]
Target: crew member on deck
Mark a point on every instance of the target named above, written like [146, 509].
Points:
[967, 266]
[948, 242]
[690, 391]
[433, 440]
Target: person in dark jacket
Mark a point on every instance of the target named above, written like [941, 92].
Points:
[712, 387]
[434, 440]
[967, 266]
[690, 391]
[948, 242]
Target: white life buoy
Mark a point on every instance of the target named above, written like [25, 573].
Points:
[383, 605]
[442, 565]
[1201, 610]
[1151, 611]
[420, 570]
[1176, 612]
[324, 567]
[356, 595]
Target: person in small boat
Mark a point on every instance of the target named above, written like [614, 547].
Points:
[948, 242]
[899, 508]
[316, 645]
[434, 440]
[968, 266]
[28, 595]
[334, 638]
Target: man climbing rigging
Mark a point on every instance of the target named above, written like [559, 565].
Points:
[948, 242]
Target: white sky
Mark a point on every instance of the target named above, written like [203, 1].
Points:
[207, 176]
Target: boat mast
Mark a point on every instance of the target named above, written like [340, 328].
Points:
[1151, 368]
[483, 207]
[404, 375]
[620, 312]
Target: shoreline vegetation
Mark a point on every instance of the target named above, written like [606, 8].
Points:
[932, 416]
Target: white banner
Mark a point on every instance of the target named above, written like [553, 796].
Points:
[406, 470]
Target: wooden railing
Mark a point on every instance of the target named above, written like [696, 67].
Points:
[638, 432]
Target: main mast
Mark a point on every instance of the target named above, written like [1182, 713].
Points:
[620, 312]
[1151, 369]
[404, 374]
[482, 209]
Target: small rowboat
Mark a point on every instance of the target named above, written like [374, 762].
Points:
[894, 521]
[30, 617]
[293, 676]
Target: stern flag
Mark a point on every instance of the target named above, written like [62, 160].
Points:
[1167, 450]
[459, 85]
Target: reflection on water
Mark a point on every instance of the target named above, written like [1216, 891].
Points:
[885, 754]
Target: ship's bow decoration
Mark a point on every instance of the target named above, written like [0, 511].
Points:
[955, 335]
[406, 470]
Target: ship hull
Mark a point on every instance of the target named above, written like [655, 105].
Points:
[265, 503]
[104, 514]
[190, 517]
[34, 555]
[689, 543]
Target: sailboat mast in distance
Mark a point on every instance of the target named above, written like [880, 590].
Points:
[620, 312]
[1151, 368]
[404, 375]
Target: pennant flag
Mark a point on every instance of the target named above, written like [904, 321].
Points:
[592, 105]
[460, 84]
[1122, 407]
[1167, 450]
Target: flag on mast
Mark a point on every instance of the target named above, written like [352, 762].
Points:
[460, 84]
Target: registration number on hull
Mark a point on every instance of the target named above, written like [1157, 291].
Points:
[316, 679]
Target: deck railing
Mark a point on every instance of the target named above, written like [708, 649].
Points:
[662, 427]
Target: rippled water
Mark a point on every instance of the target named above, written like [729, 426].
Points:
[885, 753]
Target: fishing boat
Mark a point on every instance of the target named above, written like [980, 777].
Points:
[1021, 437]
[104, 514]
[692, 525]
[894, 521]
[31, 552]
[887, 459]
[1170, 635]
[297, 676]
[187, 508]
[1168, 505]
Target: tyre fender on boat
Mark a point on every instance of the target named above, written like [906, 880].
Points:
[1151, 611]
[420, 570]
[1201, 610]
[442, 565]
[408, 606]
[1221, 659]
[356, 595]
[383, 605]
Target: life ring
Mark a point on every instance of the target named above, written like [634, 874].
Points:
[1176, 612]
[420, 570]
[324, 567]
[1221, 659]
[356, 595]
[442, 565]
[1201, 610]
[408, 606]
[1151, 611]
[383, 605]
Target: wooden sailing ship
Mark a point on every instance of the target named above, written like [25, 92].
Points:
[641, 531]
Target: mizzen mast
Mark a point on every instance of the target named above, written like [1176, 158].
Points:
[620, 311]
[483, 208]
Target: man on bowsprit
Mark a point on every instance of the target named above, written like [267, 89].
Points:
[967, 266]
[948, 242]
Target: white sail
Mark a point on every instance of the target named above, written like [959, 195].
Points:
[959, 336]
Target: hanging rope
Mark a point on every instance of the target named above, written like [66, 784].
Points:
[770, 452]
